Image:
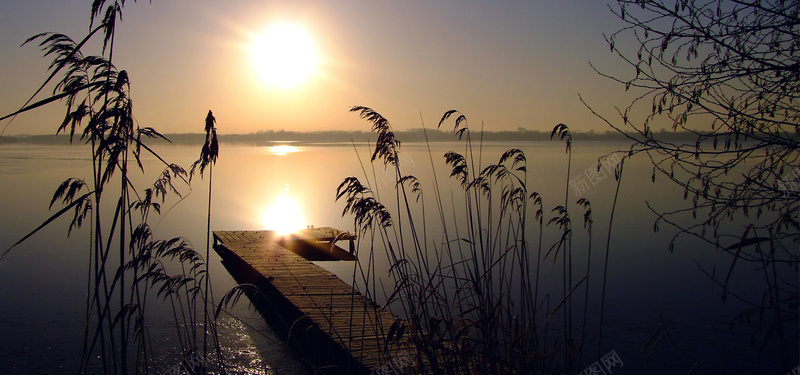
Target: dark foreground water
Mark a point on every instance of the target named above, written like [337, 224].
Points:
[43, 282]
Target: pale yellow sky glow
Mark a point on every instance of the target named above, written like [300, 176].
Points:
[521, 64]
[284, 55]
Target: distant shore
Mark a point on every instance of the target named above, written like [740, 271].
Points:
[335, 136]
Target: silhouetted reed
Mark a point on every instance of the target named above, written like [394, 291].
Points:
[128, 269]
[208, 157]
[471, 297]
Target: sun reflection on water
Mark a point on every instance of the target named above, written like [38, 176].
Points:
[282, 149]
[284, 216]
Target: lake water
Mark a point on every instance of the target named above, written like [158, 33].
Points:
[43, 281]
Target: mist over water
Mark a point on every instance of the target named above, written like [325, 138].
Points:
[43, 281]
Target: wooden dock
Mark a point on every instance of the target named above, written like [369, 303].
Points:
[323, 318]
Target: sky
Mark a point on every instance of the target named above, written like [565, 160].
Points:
[504, 65]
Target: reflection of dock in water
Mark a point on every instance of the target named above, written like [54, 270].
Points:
[323, 318]
[319, 244]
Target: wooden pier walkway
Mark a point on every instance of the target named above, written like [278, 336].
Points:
[323, 318]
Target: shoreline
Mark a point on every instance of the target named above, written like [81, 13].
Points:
[406, 136]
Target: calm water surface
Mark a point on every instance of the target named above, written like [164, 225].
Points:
[43, 287]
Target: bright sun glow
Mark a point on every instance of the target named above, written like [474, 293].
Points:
[284, 55]
[283, 216]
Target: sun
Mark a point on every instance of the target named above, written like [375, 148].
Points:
[284, 216]
[284, 55]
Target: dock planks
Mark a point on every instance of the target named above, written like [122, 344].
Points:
[324, 319]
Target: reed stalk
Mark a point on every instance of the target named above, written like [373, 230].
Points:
[124, 261]
[472, 300]
[618, 176]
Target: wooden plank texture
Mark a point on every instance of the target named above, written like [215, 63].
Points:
[310, 302]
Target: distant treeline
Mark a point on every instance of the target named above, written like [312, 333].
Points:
[334, 136]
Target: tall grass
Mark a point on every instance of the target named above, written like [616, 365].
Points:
[208, 157]
[128, 270]
[471, 297]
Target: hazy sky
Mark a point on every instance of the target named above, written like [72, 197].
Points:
[507, 64]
